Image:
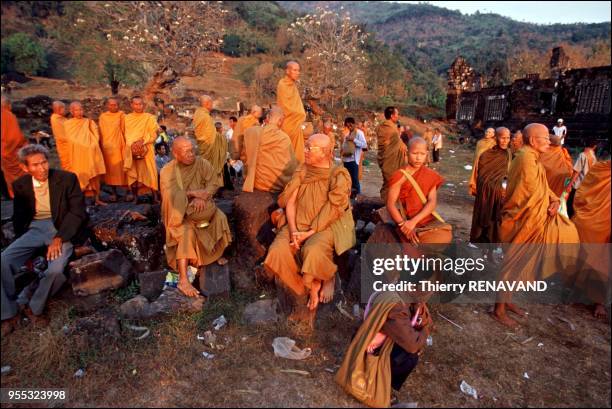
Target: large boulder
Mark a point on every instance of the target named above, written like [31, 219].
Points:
[152, 283]
[365, 208]
[215, 280]
[171, 301]
[97, 272]
[136, 230]
[254, 229]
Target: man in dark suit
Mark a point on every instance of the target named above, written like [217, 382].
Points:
[48, 211]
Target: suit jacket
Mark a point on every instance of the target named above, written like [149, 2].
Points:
[67, 205]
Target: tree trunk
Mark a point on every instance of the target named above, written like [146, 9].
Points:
[162, 78]
[114, 87]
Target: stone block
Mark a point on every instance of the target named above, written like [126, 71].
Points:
[97, 272]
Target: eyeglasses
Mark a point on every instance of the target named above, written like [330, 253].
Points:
[311, 148]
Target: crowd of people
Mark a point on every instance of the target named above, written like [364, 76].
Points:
[522, 183]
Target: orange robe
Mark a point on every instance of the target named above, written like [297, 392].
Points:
[12, 141]
[558, 164]
[592, 219]
[61, 142]
[143, 127]
[483, 145]
[492, 168]
[87, 160]
[211, 144]
[112, 133]
[270, 161]
[525, 220]
[288, 98]
[244, 123]
[392, 153]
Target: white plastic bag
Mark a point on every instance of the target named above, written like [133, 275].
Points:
[285, 348]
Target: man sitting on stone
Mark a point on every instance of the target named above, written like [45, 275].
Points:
[197, 232]
[49, 211]
[319, 221]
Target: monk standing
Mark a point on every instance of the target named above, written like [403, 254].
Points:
[592, 220]
[211, 144]
[57, 126]
[197, 232]
[558, 164]
[139, 156]
[288, 98]
[12, 141]
[530, 216]
[112, 133]
[492, 172]
[391, 149]
[87, 161]
[319, 220]
[328, 129]
[270, 161]
[244, 123]
[483, 145]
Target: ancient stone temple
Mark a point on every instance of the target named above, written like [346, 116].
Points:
[580, 96]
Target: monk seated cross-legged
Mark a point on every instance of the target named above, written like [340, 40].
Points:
[197, 232]
[530, 220]
[318, 221]
[492, 171]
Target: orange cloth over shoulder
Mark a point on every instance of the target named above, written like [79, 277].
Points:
[558, 164]
[12, 141]
[112, 134]
[140, 126]
[61, 142]
[87, 160]
[483, 145]
[288, 98]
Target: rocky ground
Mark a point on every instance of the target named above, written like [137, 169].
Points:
[547, 362]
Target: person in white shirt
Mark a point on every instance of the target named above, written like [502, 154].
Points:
[230, 132]
[560, 130]
[351, 152]
[436, 141]
[584, 163]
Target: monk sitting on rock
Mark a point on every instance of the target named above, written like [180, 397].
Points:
[318, 221]
[197, 232]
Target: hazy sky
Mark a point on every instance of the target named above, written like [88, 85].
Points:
[542, 12]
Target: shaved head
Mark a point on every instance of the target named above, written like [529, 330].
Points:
[555, 140]
[489, 133]
[76, 109]
[112, 104]
[292, 70]
[417, 152]
[536, 135]
[183, 150]
[291, 64]
[58, 108]
[276, 115]
[502, 135]
[137, 104]
[416, 141]
[319, 139]
[256, 111]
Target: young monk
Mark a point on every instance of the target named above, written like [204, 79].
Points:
[420, 222]
[112, 136]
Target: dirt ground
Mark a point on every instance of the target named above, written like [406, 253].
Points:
[565, 367]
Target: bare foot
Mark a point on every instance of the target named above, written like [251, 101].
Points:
[313, 301]
[503, 319]
[101, 203]
[222, 261]
[187, 289]
[600, 311]
[513, 308]
[327, 291]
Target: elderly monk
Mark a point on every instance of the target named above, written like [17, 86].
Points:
[87, 161]
[139, 155]
[244, 123]
[270, 162]
[12, 141]
[197, 232]
[211, 144]
[288, 98]
[483, 145]
[516, 141]
[592, 220]
[558, 164]
[57, 127]
[319, 219]
[492, 172]
[112, 134]
[391, 150]
[530, 216]
[328, 129]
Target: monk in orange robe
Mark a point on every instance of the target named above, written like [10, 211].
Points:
[328, 129]
[558, 164]
[139, 155]
[392, 153]
[85, 153]
[244, 123]
[483, 145]
[592, 220]
[211, 144]
[270, 162]
[12, 141]
[530, 220]
[57, 127]
[492, 171]
[516, 142]
[288, 98]
[112, 134]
